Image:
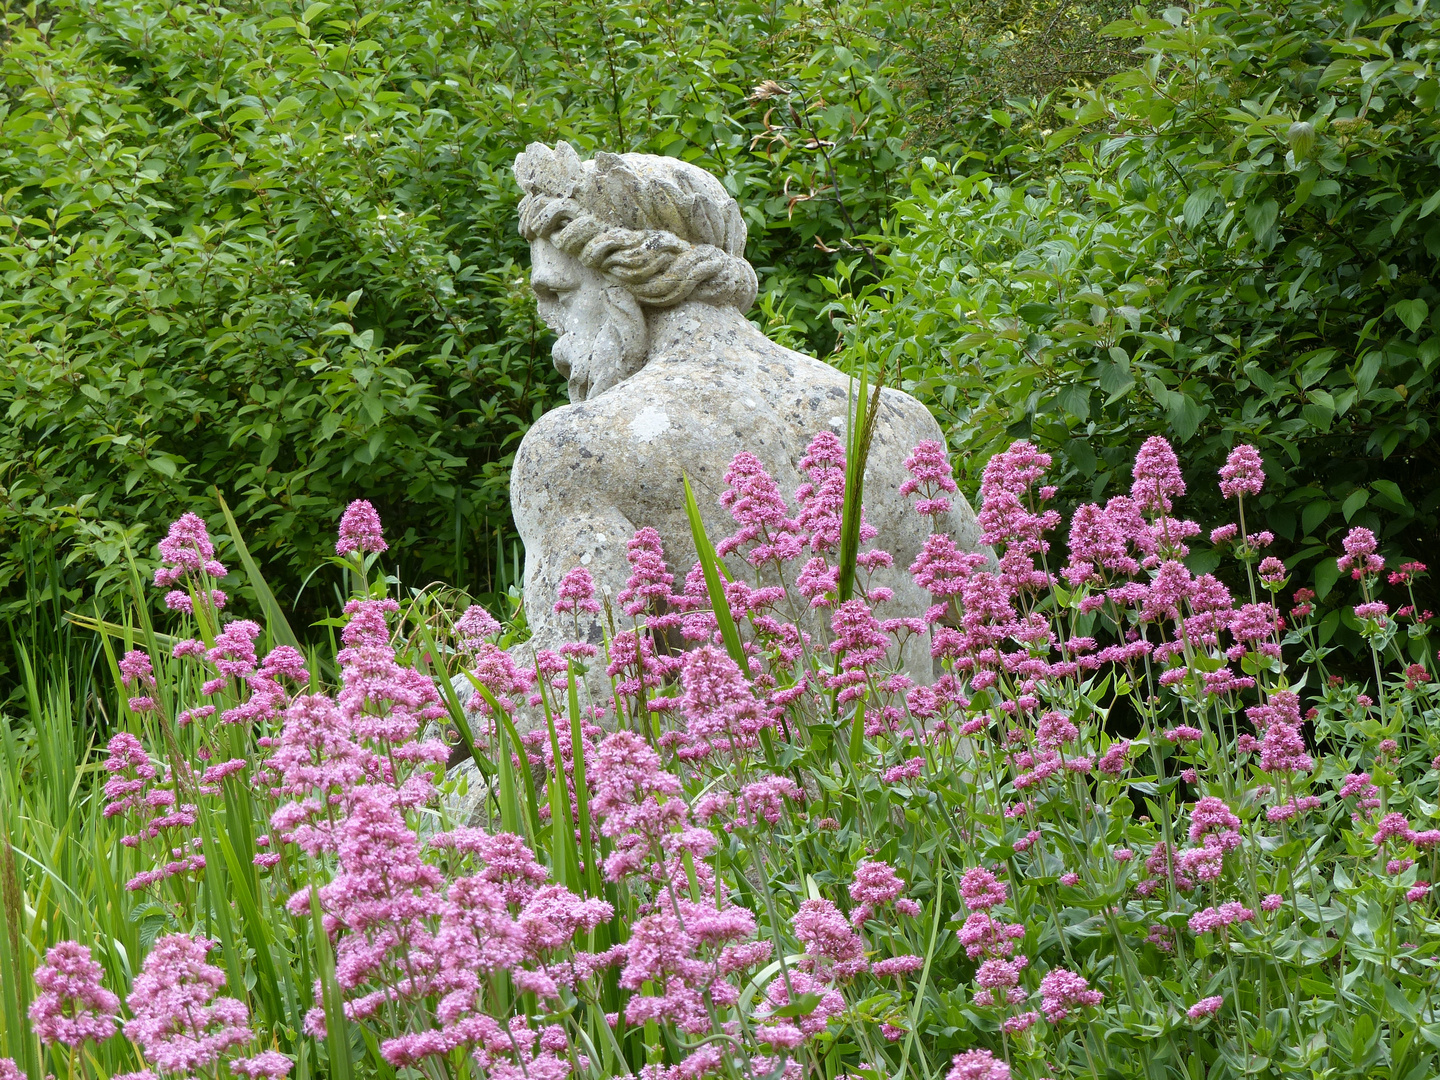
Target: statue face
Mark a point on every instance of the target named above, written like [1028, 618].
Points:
[600, 328]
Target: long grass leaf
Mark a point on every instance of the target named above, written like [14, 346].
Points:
[457, 710]
[582, 788]
[564, 859]
[527, 778]
[335, 1024]
[14, 966]
[512, 818]
[710, 565]
[279, 627]
[862, 432]
[256, 933]
[919, 1000]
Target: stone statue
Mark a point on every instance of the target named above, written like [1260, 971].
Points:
[638, 265]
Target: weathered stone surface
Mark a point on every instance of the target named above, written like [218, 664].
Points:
[638, 267]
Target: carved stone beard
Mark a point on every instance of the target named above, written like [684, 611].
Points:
[617, 350]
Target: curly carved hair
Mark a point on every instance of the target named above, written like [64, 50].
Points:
[661, 227]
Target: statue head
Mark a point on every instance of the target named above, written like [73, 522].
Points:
[613, 237]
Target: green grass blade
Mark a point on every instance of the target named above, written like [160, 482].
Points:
[710, 564]
[857, 734]
[335, 1025]
[924, 972]
[256, 933]
[527, 778]
[564, 859]
[457, 711]
[582, 790]
[219, 886]
[512, 817]
[862, 431]
[15, 974]
[279, 627]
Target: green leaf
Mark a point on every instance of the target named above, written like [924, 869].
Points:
[1390, 495]
[800, 1005]
[1185, 416]
[564, 858]
[1354, 502]
[1197, 205]
[1326, 575]
[710, 566]
[861, 431]
[274, 616]
[336, 1026]
[1412, 313]
[857, 733]
[1313, 514]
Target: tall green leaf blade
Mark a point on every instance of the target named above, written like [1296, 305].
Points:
[710, 566]
[861, 434]
[331, 999]
[564, 859]
[582, 789]
[279, 627]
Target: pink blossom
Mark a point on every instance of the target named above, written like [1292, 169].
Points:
[754, 501]
[930, 474]
[269, 1065]
[978, 1065]
[1205, 1007]
[874, 885]
[577, 594]
[179, 1023]
[822, 497]
[1360, 560]
[1210, 816]
[1272, 571]
[763, 800]
[1157, 479]
[1062, 990]
[832, 949]
[649, 584]
[1243, 472]
[983, 936]
[360, 530]
[1226, 915]
[981, 890]
[474, 627]
[719, 706]
[187, 549]
[73, 1006]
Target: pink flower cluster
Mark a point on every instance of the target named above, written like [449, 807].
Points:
[73, 1005]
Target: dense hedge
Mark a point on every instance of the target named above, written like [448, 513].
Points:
[271, 247]
[1235, 241]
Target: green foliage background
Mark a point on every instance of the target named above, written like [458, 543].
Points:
[1236, 240]
[269, 248]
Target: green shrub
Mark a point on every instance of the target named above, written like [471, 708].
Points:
[270, 247]
[1237, 241]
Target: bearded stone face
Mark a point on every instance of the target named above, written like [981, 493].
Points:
[600, 328]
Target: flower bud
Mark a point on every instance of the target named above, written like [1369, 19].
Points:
[1301, 137]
